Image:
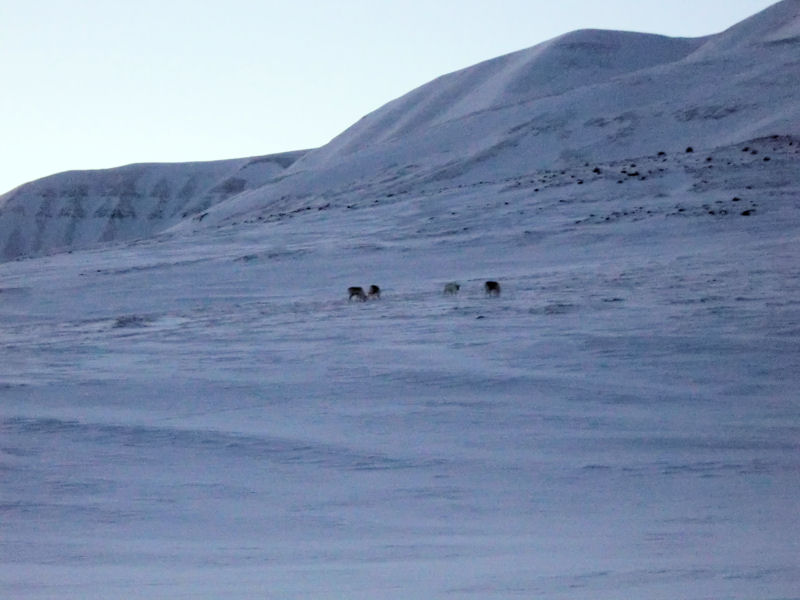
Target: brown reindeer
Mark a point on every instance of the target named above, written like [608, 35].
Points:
[451, 289]
[357, 292]
[492, 288]
[374, 292]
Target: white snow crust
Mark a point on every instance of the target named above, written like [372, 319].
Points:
[191, 407]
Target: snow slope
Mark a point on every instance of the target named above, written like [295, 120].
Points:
[583, 97]
[203, 414]
[207, 415]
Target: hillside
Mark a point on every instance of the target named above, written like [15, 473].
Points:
[208, 416]
[79, 209]
[587, 96]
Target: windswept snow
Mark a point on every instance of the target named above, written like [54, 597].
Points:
[209, 416]
[202, 413]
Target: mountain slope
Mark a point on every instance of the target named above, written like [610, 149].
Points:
[80, 208]
[208, 415]
[584, 97]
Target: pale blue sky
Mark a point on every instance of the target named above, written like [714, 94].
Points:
[88, 84]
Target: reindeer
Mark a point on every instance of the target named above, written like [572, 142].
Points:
[451, 289]
[374, 292]
[492, 288]
[357, 292]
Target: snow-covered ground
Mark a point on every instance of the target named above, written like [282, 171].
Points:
[202, 413]
[208, 416]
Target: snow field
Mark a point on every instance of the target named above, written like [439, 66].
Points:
[208, 415]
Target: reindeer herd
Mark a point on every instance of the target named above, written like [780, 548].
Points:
[492, 288]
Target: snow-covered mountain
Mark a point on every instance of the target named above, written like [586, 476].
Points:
[79, 209]
[586, 96]
[583, 97]
[192, 408]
